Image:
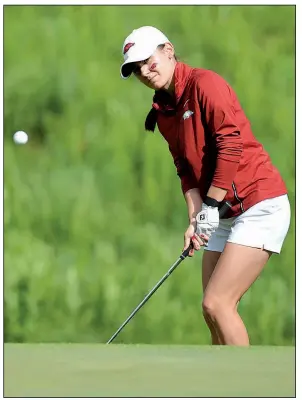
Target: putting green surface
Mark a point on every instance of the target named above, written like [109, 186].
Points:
[76, 370]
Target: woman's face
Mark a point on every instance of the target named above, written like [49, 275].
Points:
[157, 71]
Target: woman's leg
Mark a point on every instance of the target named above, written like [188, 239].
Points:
[209, 261]
[236, 270]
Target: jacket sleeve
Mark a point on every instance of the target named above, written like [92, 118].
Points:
[217, 106]
[187, 180]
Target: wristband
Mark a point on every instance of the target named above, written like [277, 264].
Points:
[209, 201]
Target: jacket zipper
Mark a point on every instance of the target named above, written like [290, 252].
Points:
[178, 135]
[237, 198]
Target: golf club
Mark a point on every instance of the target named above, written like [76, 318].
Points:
[183, 255]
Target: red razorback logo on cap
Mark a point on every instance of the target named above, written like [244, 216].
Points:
[128, 46]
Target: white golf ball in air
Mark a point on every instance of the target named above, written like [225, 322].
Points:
[20, 137]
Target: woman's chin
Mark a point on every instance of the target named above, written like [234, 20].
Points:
[156, 85]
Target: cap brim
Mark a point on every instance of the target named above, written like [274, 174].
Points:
[127, 67]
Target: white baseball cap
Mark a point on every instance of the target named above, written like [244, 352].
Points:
[140, 45]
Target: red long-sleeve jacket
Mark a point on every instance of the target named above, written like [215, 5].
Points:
[211, 140]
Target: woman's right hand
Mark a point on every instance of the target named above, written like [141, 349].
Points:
[190, 236]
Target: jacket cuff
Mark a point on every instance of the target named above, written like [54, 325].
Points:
[225, 173]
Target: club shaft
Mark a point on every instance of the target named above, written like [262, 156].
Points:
[184, 254]
[147, 297]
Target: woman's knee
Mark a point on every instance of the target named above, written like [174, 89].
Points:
[213, 306]
[210, 307]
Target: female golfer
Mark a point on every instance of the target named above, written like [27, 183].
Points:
[217, 159]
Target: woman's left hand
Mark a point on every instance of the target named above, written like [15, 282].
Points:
[207, 221]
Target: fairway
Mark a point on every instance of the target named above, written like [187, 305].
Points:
[76, 370]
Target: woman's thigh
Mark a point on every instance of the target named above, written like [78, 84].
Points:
[245, 244]
[209, 261]
[236, 270]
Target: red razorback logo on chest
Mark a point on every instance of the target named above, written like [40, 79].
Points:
[127, 47]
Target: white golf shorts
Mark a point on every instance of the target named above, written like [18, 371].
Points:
[264, 226]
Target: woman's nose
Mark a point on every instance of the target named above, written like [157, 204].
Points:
[145, 70]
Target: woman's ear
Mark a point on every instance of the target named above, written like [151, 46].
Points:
[169, 50]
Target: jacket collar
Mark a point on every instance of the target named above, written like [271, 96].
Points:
[162, 101]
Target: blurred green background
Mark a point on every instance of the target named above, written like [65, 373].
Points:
[94, 214]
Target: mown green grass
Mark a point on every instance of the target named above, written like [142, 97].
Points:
[142, 370]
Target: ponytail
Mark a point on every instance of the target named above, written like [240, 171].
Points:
[151, 120]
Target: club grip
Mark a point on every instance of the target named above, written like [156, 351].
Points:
[222, 211]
